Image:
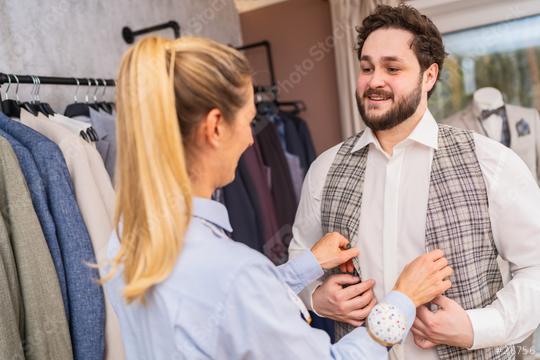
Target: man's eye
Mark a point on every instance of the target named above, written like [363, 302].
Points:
[366, 70]
[393, 70]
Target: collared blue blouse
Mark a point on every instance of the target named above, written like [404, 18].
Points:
[224, 300]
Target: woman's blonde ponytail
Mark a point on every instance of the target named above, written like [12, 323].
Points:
[164, 89]
[153, 192]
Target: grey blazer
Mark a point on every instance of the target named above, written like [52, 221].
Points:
[524, 126]
[36, 302]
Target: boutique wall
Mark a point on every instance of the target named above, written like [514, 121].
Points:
[83, 38]
[300, 32]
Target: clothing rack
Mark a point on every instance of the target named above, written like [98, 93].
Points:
[129, 35]
[268, 47]
[54, 80]
[299, 105]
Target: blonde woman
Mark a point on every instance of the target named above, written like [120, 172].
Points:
[180, 287]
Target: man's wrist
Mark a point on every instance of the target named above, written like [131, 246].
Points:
[312, 303]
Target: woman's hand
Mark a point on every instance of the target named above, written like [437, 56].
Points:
[330, 251]
[425, 278]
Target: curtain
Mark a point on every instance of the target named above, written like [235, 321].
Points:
[346, 16]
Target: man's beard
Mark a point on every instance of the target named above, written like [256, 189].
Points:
[397, 113]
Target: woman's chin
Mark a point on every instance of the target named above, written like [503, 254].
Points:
[229, 179]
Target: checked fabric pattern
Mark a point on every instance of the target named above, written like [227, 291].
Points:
[457, 222]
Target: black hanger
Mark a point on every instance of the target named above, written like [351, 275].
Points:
[298, 106]
[92, 134]
[267, 108]
[31, 105]
[11, 108]
[83, 134]
[266, 100]
[94, 105]
[42, 107]
[102, 105]
[77, 108]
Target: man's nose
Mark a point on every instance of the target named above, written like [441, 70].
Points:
[376, 80]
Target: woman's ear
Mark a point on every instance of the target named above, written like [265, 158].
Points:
[212, 127]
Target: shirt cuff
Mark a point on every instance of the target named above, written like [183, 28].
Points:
[488, 328]
[306, 267]
[311, 300]
[391, 319]
[404, 304]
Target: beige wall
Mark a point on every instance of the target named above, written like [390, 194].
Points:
[300, 32]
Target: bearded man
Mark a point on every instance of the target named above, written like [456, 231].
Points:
[407, 185]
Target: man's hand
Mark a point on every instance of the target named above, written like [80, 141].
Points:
[330, 251]
[350, 305]
[425, 278]
[449, 325]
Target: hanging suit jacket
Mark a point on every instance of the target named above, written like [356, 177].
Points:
[10, 299]
[85, 168]
[307, 140]
[104, 124]
[243, 208]
[86, 304]
[282, 189]
[39, 200]
[273, 247]
[41, 321]
[293, 140]
[524, 126]
[95, 197]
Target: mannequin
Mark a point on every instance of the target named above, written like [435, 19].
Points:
[489, 99]
[514, 126]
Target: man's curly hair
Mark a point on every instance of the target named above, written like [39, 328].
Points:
[427, 43]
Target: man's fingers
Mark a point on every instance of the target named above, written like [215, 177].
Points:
[343, 242]
[358, 289]
[435, 254]
[424, 314]
[362, 313]
[423, 343]
[446, 272]
[447, 284]
[346, 267]
[347, 255]
[360, 302]
[418, 333]
[441, 263]
[344, 279]
[419, 325]
[442, 301]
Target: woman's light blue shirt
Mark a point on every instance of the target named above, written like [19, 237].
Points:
[224, 300]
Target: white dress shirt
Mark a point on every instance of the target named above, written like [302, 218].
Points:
[392, 226]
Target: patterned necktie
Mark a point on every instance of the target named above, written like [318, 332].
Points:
[505, 136]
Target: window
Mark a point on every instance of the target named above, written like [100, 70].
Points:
[505, 56]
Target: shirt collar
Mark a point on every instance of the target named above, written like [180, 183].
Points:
[426, 133]
[212, 211]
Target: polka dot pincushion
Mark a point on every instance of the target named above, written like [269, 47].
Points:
[387, 323]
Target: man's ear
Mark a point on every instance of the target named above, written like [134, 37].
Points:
[211, 129]
[430, 76]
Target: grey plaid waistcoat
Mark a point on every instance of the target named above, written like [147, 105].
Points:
[457, 222]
